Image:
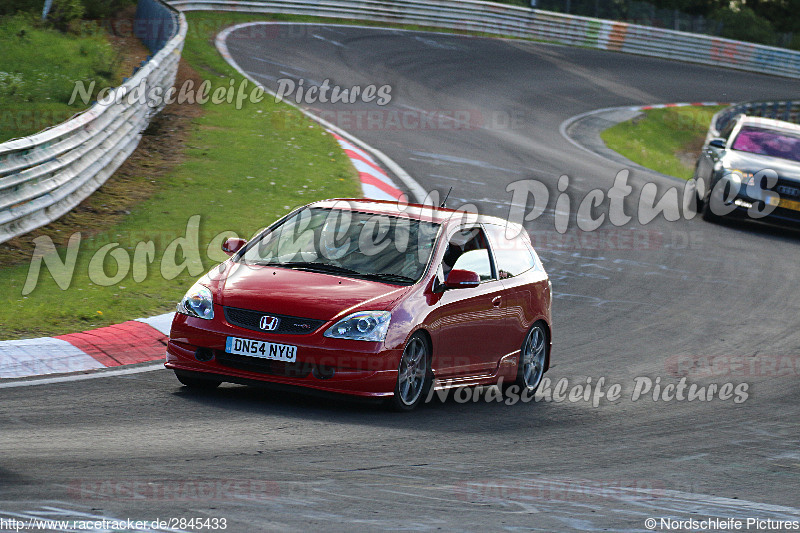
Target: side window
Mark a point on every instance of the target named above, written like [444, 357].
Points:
[469, 250]
[513, 263]
[514, 256]
[726, 131]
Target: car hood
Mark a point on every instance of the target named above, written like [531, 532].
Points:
[297, 293]
[756, 162]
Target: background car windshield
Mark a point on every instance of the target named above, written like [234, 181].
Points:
[362, 243]
[768, 142]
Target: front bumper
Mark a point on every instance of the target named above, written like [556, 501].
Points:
[786, 212]
[358, 368]
[779, 215]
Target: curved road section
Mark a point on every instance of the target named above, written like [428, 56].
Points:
[674, 386]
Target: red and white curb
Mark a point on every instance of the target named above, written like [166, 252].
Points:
[680, 104]
[144, 339]
[135, 341]
[375, 183]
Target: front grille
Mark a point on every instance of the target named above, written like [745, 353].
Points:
[264, 366]
[789, 191]
[288, 325]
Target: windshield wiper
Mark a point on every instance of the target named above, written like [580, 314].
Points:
[383, 276]
[321, 267]
[336, 269]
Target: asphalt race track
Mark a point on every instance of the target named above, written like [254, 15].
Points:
[715, 304]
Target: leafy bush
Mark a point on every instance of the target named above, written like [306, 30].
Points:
[63, 12]
[92, 9]
[10, 7]
[745, 25]
[98, 9]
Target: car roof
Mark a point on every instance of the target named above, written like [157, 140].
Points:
[424, 212]
[771, 123]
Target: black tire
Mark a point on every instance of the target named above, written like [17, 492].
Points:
[532, 359]
[707, 214]
[716, 196]
[193, 382]
[413, 375]
[698, 199]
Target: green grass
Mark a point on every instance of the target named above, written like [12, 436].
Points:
[38, 70]
[664, 140]
[242, 170]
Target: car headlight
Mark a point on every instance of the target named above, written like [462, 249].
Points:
[361, 326]
[747, 178]
[197, 302]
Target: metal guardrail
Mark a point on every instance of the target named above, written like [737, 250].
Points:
[515, 21]
[44, 176]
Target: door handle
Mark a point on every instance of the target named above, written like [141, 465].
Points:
[497, 300]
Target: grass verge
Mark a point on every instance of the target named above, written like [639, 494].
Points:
[240, 170]
[665, 140]
[39, 67]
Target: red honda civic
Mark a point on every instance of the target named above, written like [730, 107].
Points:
[370, 298]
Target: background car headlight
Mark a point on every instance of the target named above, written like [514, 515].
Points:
[361, 326]
[197, 302]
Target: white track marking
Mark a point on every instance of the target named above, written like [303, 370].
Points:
[334, 43]
[82, 377]
[34, 357]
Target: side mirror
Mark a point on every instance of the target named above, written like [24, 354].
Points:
[718, 143]
[233, 245]
[462, 279]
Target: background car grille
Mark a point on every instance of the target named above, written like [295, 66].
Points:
[289, 325]
[788, 191]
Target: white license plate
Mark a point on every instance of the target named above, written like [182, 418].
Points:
[261, 349]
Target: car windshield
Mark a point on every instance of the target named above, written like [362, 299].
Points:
[393, 249]
[768, 142]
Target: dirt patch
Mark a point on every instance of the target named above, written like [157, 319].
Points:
[159, 151]
[129, 51]
[689, 154]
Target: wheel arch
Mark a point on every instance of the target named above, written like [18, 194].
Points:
[549, 332]
[428, 340]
